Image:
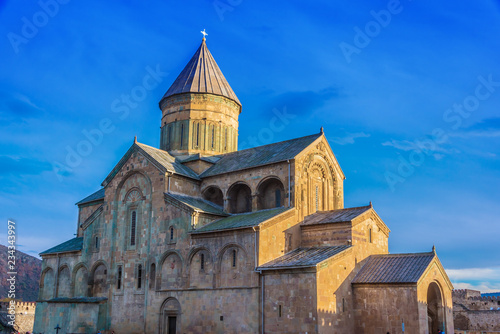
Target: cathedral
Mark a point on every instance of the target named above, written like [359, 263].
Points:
[197, 236]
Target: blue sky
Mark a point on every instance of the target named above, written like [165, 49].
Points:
[408, 93]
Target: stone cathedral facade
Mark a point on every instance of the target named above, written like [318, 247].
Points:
[197, 236]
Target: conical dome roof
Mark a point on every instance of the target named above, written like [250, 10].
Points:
[202, 75]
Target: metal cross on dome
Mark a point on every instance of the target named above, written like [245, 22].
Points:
[204, 33]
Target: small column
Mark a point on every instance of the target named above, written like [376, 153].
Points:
[255, 202]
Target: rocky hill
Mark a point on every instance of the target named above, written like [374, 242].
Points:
[28, 275]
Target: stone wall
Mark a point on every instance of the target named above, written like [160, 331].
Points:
[24, 313]
[71, 316]
[382, 309]
[472, 312]
[290, 302]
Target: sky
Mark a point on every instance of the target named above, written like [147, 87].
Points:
[408, 93]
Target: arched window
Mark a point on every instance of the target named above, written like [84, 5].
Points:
[202, 261]
[133, 222]
[171, 233]
[139, 276]
[119, 279]
[234, 258]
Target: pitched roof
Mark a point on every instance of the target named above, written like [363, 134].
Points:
[202, 75]
[198, 204]
[98, 195]
[335, 216]
[394, 268]
[304, 257]
[261, 155]
[241, 220]
[167, 161]
[71, 245]
[161, 159]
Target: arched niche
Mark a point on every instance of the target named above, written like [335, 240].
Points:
[214, 195]
[64, 282]
[200, 269]
[171, 271]
[99, 280]
[239, 196]
[271, 194]
[81, 281]
[47, 284]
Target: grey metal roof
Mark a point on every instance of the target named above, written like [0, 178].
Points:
[168, 161]
[71, 245]
[394, 268]
[241, 220]
[202, 75]
[335, 216]
[261, 155]
[304, 257]
[161, 159]
[99, 194]
[198, 204]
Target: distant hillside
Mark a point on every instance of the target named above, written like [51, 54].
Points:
[28, 275]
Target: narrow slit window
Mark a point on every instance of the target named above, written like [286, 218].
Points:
[225, 140]
[280, 311]
[213, 136]
[370, 235]
[234, 258]
[317, 198]
[96, 244]
[132, 228]
[202, 261]
[119, 280]
[169, 135]
[139, 276]
[197, 134]
[152, 276]
[171, 233]
[343, 305]
[182, 134]
[277, 196]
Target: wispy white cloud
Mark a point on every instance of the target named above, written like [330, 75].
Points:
[482, 279]
[349, 138]
[483, 286]
[424, 145]
[474, 273]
